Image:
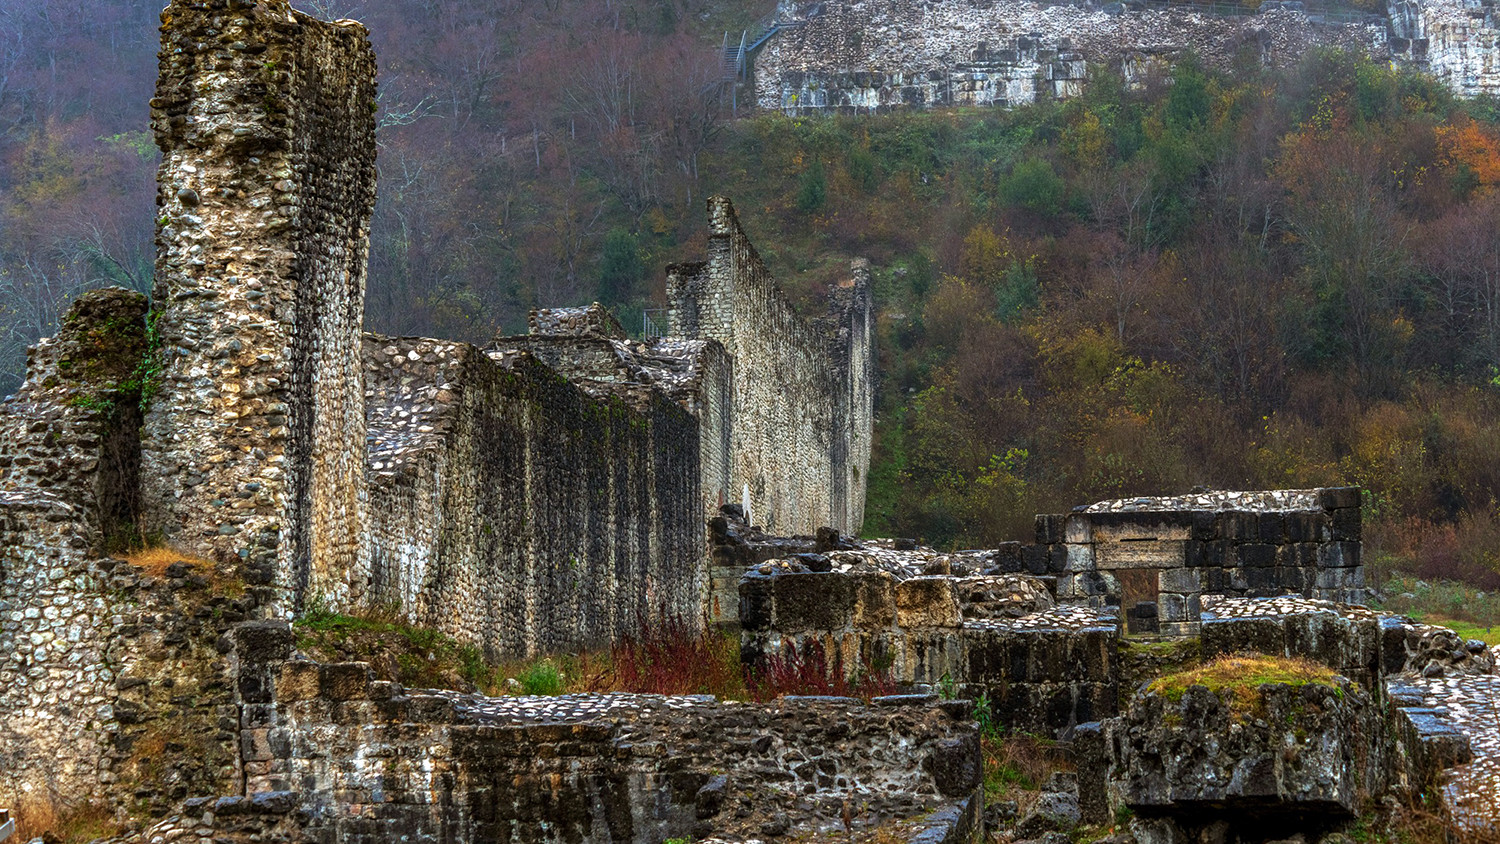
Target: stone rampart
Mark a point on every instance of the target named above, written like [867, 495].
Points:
[588, 347]
[871, 56]
[512, 509]
[255, 443]
[799, 460]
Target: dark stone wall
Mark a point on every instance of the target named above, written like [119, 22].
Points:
[255, 444]
[373, 762]
[511, 509]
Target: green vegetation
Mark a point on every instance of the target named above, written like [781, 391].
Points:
[1472, 613]
[416, 657]
[1242, 676]
[541, 678]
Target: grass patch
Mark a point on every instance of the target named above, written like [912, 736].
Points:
[1472, 613]
[1243, 675]
[415, 657]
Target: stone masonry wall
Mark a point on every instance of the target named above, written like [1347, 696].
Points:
[73, 428]
[255, 444]
[374, 762]
[1043, 669]
[1157, 557]
[793, 449]
[511, 509]
[881, 54]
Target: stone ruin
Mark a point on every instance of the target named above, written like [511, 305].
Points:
[864, 56]
[549, 491]
[535, 494]
[1061, 637]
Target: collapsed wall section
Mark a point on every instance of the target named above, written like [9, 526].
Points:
[255, 443]
[802, 402]
[511, 509]
[371, 761]
[866, 56]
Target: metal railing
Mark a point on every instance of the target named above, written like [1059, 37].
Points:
[652, 328]
[7, 824]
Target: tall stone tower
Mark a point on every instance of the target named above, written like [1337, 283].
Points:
[254, 444]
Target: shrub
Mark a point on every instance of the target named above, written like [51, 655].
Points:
[669, 659]
[542, 678]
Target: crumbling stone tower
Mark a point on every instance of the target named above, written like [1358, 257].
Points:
[255, 443]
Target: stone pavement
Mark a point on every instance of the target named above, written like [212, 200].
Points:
[1471, 791]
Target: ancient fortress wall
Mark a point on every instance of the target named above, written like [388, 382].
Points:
[510, 508]
[880, 54]
[255, 445]
[798, 460]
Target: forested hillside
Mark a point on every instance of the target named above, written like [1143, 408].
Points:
[1264, 280]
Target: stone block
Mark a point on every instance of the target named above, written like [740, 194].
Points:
[927, 602]
[1034, 558]
[1256, 555]
[875, 601]
[1346, 525]
[297, 680]
[956, 765]
[345, 680]
[1049, 528]
[1271, 528]
[1303, 527]
[261, 642]
[815, 601]
[1077, 528]
[1180, 580]
[1172, 607]
[1205, 527]
[1077, 558]
[1233, 635]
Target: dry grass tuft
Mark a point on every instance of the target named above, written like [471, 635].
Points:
[154, 561]
[58, 822]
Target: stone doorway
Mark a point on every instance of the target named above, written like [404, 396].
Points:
[1139, 600]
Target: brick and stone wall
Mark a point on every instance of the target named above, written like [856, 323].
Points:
[255, 443]
[512, 509]
[328, 753]
[1156, 557]
[869, 56]
[799, 460]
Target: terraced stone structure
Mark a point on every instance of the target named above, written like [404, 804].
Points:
[873, 55]
[255, 441]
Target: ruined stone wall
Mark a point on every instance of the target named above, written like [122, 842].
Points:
[1456, 41]
[73, 427]
[112, 687]
[1157, 557]
[1043, 669]
[255, 444]
[797, 409]
[375, 762]
[864, 56]
[511, 509]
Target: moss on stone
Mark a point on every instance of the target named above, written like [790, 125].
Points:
[1242, 675]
